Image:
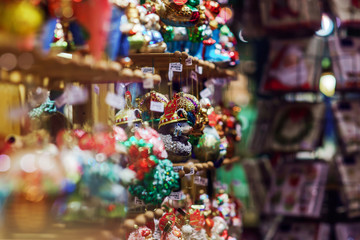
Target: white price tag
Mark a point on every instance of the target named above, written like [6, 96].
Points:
[197, 180]
[175, 195]
[115, 101]
[199, 69]
[138, 201]
[176, 67]
[205, 93]
[170, 75]
[201, 181]
[156, 106]
[178, 168]
[147, 69]
[193, 75]
[148, 83]
[72, 95]
[188, 61]
[192, 172]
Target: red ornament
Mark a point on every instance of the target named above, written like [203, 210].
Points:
[86, 142]
[197, 220]
[180, 2]
[168, 218]
[145, 232]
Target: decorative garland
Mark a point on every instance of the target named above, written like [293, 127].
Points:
[306, 116]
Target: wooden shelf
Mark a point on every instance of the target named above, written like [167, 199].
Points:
[58, 69]
[160, 61]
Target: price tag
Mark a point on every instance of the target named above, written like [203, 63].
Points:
[188, 61]
[201, 181]
[148, 83]
[156, 106]
[115, 101]
[138, 201]
[176, 67]
[204, 181]
[147, 69]
[76, 95]
[193, 75]
[192, 172]
[205, 93]
[170, 75]
[178, 168]
[72, 95]
[175, 195]
[197, 180]
[199, 69]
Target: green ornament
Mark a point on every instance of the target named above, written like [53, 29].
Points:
[168, 34]
[157, 185]
[193, 3]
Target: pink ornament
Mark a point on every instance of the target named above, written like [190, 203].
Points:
[119, 134]
[153, 137]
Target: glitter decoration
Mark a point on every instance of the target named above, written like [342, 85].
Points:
[156, 185]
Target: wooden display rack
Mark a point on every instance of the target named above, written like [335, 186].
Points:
[54, 72]
[160, 62]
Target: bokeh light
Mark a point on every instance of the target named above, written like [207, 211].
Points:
[328, 84]
[327, 26]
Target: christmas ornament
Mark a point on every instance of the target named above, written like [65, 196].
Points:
[175, 125]
[151, 136]
[208, 146]
[154, 39]
[186, 15]
[140, 159]
[219, 230]
[156, 185]
[129, 116]
[20, 18]
[151, 116]
[142, 233]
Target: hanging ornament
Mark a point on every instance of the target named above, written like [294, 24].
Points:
[208, 146]
[142, 233]
[151, 136]
[176, 125]
[129, 116]
[197, 220]
[149, 113]
[219, 230]
[156, 185]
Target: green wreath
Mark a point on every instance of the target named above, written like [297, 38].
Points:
[307, 117]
